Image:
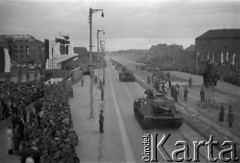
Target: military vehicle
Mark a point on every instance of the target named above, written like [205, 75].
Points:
[156, 110]
[126, 75]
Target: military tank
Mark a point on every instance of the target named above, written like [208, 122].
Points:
[156, 110]
[126, 75]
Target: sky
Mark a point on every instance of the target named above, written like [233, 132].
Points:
[128, 24]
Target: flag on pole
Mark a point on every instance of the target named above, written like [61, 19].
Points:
[5, 60]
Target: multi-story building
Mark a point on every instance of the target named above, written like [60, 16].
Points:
[222, 46]
[23, 48]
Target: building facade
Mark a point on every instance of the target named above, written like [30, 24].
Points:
[24, 49]
[221, 46]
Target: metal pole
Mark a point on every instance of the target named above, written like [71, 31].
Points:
[91, 64]
[98, 51]
[196, 57]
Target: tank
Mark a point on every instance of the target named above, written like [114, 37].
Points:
[156, 110]
[125, 75]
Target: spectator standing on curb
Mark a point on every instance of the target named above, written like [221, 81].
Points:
[202, 94]
[185, 94]
[9, 134]
[190, 82]
[221, 113]
[101, 120]
[230, 116]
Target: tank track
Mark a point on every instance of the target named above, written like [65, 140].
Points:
[144, 123]
[176, 123]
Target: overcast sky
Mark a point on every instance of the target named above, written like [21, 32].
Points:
[127, 23]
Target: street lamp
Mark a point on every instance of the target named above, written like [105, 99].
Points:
[91, 11]
[98, 61]
[102, 43]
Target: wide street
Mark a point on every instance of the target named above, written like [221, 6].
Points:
[122, 137]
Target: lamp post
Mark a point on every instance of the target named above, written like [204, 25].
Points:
[102, 43]
[91, 11]
[98, 61]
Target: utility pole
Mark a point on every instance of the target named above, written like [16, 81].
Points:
[103, 51]
[91, 11]
[98, 61]
[196, 51]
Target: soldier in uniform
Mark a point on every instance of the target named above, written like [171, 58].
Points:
[202, 94]
[101, 120]
[185, 94]
[190, 82]
[221, 113]
[102, 94]
[230, 116]
[175, 94]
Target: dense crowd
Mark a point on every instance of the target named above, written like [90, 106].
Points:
[41, 128]
[225, 73]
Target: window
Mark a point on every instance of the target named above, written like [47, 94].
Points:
[15, 51]
[16, 47]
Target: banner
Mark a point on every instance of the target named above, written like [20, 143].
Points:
[5, 60]
[56, 50]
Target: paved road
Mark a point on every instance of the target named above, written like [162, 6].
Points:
[122, 140]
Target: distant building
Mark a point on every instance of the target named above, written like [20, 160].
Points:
[23, 48]
[162, 50]
[82, 51]
[222, 46]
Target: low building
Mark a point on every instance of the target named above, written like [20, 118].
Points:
[23, 49]
[222, 46]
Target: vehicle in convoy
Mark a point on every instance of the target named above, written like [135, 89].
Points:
[126, 75]
[156, 111]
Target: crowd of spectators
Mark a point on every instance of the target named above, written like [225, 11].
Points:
[168, 63]
[41, 128]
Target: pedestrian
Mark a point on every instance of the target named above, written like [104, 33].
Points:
[9, 134]
[16, 139]
[148, 80]
[221, 113]
[102, 94]
[190, 82]
[82, 81]
[185, 94]
[101, 120]
[230, 116]
[177, 88]
[202, 94]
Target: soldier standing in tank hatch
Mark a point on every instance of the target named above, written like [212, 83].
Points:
[101, 120]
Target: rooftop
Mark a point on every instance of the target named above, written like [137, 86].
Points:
[221, 34]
